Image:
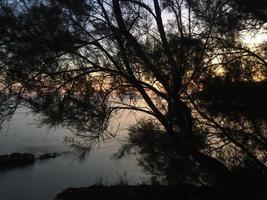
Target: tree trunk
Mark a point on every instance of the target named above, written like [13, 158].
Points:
[219, 170]
[214, 166]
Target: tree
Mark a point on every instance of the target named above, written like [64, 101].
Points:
[257, 9]
[168, 165]
[78, 62]
[159, 157]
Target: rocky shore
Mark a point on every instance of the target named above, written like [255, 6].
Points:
[14, 160]
[144, 192]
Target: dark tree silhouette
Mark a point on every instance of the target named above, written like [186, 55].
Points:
[168, 165]
[78, 62]
[158, 155]
[257, 9]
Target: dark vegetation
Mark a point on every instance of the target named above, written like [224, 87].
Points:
[144, 192]
[80, 62]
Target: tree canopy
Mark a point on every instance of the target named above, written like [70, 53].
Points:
[181, 62]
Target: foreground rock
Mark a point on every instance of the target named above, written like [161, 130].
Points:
[16, 160]
[145, 192]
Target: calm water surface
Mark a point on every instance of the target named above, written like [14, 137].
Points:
[44, 179]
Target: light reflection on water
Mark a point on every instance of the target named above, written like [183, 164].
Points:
[44, 179]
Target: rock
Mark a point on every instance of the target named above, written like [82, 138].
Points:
[140, 192]
[16, 160]
[160, 192]
[48, 156]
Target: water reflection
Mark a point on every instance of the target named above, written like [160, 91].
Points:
[44, 179]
